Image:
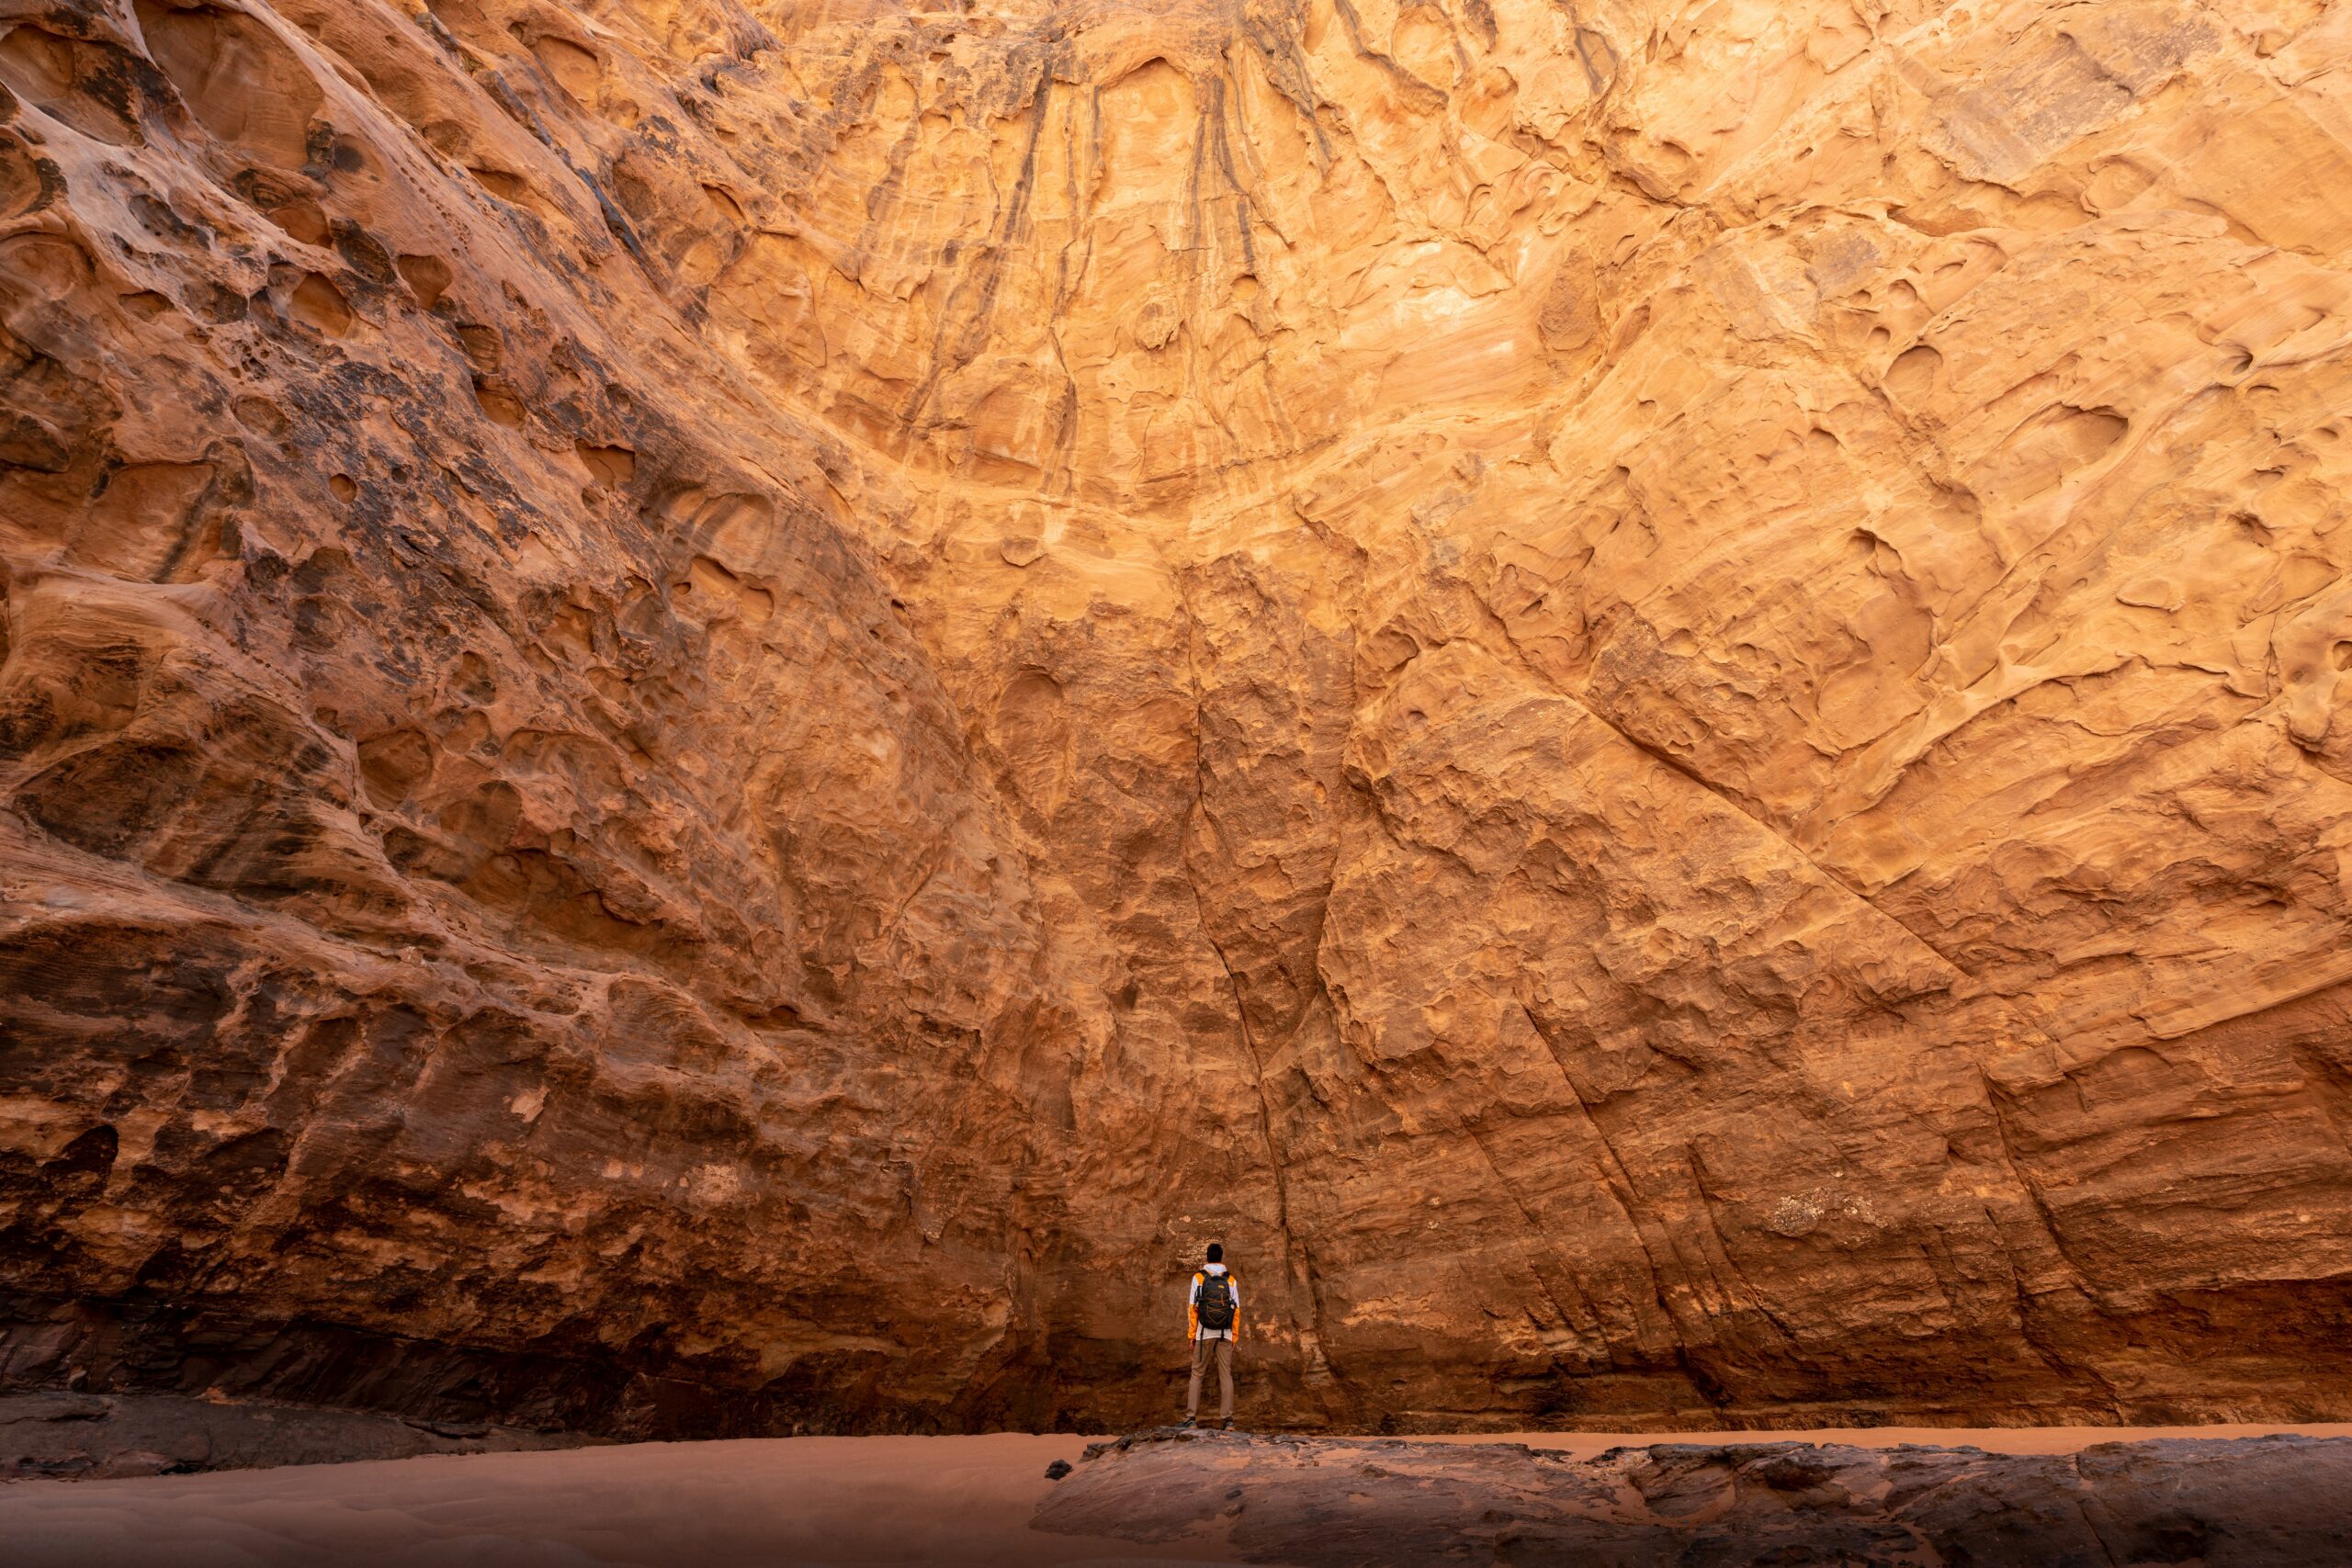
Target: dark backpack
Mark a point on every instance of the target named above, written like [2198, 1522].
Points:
[1214, 1302]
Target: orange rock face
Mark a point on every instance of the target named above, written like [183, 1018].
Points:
[720, 715]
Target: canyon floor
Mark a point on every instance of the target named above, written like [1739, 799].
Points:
[2234, 1495]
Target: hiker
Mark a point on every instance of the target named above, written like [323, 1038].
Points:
[1212, 1322]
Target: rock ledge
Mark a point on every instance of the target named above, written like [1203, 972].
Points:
[1366, 1503]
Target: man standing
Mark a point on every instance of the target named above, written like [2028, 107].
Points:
[1212, 1320]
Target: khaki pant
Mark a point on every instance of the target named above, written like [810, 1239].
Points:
[1202, 1350]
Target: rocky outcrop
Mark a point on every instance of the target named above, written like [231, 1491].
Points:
[718, 716]
[1329, 1502]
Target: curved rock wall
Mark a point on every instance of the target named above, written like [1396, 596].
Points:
[719, 715]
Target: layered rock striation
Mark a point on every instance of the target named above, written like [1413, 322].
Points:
[716, 717]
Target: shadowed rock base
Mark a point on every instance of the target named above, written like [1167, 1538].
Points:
[1361, 1503]
[110, 1437]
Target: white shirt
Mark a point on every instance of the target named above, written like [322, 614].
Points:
[1192, 1300]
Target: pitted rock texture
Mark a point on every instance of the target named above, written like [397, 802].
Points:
[718, 716]
[2276, 1502]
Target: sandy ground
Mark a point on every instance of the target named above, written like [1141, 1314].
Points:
[784, 1503]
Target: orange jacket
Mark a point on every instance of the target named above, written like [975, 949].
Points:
[1192, 1304]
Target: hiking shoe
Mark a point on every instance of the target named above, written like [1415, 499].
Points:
[1228, 1422]
[1187, 1421]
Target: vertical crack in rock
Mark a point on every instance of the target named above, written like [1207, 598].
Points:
[1297, 1262]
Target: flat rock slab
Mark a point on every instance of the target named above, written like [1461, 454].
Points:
[2275, 1502]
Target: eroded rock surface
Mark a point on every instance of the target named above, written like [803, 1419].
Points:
[2279, 1502]
[718, 715]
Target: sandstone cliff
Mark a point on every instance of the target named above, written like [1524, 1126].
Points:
[719, 715]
